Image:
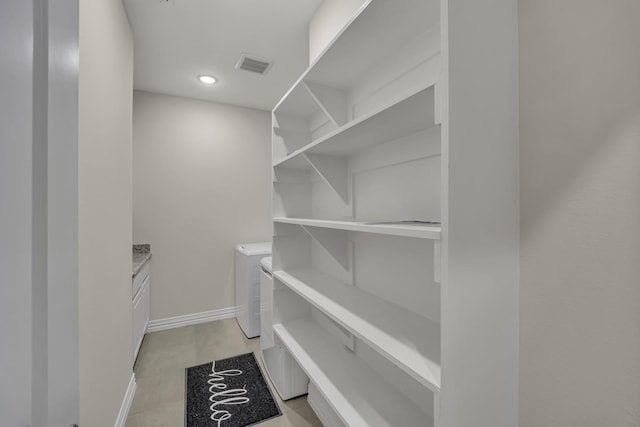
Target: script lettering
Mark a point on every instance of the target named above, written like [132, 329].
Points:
[229, 397]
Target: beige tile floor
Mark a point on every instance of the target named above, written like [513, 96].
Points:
[159, 398]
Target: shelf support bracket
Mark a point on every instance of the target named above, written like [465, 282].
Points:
[437, 100]
[333, 170]
[332, 101]
[335, 242]
[437, 257]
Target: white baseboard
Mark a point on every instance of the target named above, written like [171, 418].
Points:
[191, 319]
[126, 403]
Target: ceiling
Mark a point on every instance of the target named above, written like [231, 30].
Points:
[177, 40]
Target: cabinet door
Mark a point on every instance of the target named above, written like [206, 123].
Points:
[140, 315]
[145, 304]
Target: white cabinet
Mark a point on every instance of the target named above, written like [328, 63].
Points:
[141, 288]
[369, 286]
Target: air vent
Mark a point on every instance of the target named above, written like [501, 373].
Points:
[253, 64]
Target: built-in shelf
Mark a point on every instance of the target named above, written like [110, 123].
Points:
[383, 126]
[396, 229]
[358, 395]
[402, 117]
[357, 198]
[375, 34]
[409, 341]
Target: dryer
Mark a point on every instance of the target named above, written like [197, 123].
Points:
[248, 256]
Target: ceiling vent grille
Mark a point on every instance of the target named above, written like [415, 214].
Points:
[253, 64]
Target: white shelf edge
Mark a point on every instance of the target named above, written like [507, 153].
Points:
[400, 230]
[350, 378]
[354, 123]
[404, 357]
[318, 58]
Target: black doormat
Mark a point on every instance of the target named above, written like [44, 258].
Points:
[228, 393]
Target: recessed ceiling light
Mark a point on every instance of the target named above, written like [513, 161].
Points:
[208, 80]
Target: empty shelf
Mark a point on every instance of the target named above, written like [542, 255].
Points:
[357, 393]
[395, 229]
[404, 116]
[409, 341]
[373, 36]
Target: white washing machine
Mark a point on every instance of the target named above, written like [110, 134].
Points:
[286, 375]
[248, 256]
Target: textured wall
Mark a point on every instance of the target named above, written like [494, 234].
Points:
[580, 188]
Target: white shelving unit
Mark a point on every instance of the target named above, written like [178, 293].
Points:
[395, 280]
[359, 395]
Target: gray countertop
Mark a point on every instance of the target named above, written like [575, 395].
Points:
[141, 254]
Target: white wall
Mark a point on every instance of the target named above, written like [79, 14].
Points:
[105, 225]
[328, 20]
[580, 162]
[201, 184]
[16, 41]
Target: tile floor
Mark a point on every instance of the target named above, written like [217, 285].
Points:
[159, 399]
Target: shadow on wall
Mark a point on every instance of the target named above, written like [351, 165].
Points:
[580, 213]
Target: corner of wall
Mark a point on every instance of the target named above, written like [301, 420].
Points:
[104, 210]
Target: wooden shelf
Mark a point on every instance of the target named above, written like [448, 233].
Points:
[409, 341]
[402, 230]
[402, 117]
[357, 393]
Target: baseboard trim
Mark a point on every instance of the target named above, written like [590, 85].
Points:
[191, 319]
[126, 403]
